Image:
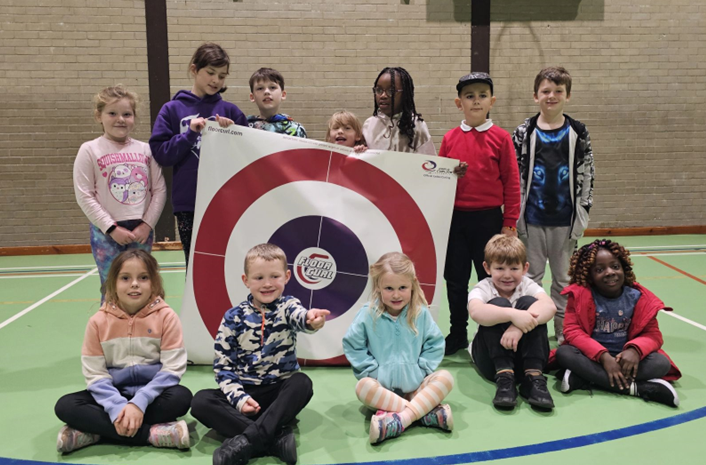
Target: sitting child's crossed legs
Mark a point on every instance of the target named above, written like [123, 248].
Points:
[412, 406]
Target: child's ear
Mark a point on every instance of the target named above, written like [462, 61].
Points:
[492, 101]
[284, 95]
[568, 96]
[192, 69]
[534, 95]
[486, 267]
[97, 115]
[457, 101]
[245, 281]
[252, 97]
[525, 269]
[287, 275]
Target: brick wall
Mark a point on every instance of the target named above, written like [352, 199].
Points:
[639, 71]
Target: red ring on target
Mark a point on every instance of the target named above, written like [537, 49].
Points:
[261, 176]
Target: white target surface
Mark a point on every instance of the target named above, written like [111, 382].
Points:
[332, 211]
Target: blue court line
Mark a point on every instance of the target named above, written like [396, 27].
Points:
[510, 452]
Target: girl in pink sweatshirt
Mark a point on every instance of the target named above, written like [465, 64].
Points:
[118, 185]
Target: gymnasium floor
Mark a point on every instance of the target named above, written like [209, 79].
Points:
[45, 302]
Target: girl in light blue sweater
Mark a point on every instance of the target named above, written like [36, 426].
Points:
[394, 346]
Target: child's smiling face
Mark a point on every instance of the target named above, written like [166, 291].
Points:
[551, 97]
[266, 280]
[343, 134]
[383, 95]
[117, 119]
[134, 286]
[395, 292]
[607, 275]
[209, 80]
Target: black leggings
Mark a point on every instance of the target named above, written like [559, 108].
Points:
[491, 357]
[185, 224]
[279, 402]
[655, 365]
[80, 411]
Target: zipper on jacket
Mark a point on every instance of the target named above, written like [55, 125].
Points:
[262, 327]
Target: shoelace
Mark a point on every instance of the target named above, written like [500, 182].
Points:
[167, 436]
[391, 427]
[540, 384]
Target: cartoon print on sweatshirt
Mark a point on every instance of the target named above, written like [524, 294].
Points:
[128, 183]
[136, 193]
[118, 187]
[184, 126]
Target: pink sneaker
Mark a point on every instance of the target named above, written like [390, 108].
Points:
[70, 439]
[384, 427]
[174, 435]
[439, 417]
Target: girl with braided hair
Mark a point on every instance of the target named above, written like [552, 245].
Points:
[395, 124]
[612, 339]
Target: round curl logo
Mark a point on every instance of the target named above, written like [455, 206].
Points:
[429, 165]
[314, 268]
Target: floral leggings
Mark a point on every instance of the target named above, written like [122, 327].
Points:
[105, 249]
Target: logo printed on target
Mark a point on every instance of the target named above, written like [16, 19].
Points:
[314, 268]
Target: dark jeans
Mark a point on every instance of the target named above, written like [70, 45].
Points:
[185, 224]
[469, 233]
[655, 365]
[80, 411]
[491, 357]
[280, 403]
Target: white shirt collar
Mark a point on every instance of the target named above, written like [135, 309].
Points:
[482, 128]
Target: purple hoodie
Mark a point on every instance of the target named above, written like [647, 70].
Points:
[173, 143]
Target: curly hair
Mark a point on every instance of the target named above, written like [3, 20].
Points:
[400, 264]
[409, 110]
[583, 259]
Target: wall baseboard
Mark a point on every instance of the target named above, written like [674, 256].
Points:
[174, 245]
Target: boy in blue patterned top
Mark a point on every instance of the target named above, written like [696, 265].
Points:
[261, 387]
[267, 92]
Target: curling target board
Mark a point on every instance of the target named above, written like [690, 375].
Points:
[332, 211]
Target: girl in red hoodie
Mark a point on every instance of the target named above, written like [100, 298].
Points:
[612, 339]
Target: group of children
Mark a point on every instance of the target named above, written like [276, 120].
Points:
[537, 183]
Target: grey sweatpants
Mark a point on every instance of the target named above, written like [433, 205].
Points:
[550, 243]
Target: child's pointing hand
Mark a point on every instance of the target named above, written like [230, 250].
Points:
[316, 317]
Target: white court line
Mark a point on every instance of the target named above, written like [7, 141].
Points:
[57, 267]
[665, 254]
[53, 294]
[67, 275]
[686, 320]
[664, 247]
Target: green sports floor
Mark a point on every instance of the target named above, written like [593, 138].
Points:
[45, 302]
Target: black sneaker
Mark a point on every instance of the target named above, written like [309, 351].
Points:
[657, 390]
[505, 391]
[534, 389]
[455, 343]
[570, 381]
[233, 451]
[284, 446]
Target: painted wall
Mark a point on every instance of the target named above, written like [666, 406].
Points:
[639, 70]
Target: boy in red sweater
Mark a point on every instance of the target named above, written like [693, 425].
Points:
[492, 181]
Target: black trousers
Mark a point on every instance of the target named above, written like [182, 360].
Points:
[279, 402]
[80, 411]
[469, 233]
[655, 365]
[491, 357]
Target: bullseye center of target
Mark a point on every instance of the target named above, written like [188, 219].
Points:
[314, 268]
